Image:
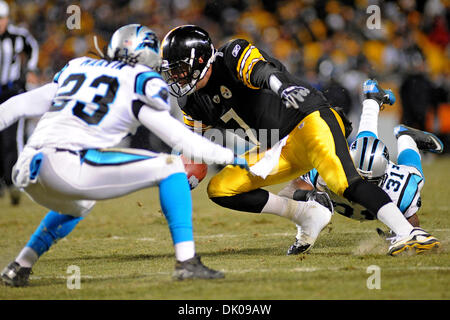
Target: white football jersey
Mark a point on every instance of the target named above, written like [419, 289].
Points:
[403, 185]
[97, 103]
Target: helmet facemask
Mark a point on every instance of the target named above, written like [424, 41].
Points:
[182, 76]
[379, 181]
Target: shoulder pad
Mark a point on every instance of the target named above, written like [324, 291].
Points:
[153, 91]
[240, 57]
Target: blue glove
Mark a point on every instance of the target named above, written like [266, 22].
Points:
[241, 162]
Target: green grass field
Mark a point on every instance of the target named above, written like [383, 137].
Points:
[123, 251]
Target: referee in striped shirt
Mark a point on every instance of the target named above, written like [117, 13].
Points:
[18, 59]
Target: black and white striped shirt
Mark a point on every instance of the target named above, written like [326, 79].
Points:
[13, 43]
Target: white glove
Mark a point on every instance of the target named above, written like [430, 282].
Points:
[293, 96]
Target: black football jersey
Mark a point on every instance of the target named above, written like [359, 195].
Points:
[237, 96]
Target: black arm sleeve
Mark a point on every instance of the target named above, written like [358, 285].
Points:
[262, 72]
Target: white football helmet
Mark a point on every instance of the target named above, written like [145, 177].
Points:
[371, 158]
[135, 43]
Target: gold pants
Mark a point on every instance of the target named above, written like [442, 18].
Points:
[318, 141]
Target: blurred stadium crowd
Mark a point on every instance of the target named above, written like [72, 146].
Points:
[325, 42]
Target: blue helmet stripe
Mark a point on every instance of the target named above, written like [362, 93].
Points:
[138, 29]
[363, 153]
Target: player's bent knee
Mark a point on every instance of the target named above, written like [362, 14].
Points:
[215, 188]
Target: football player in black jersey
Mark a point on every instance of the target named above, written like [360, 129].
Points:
[239, 86]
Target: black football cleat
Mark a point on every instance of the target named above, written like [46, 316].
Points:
[194, 269]
[14, 275]
[298, 247]
[425, 141]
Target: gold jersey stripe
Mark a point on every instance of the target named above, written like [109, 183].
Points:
[194, 124]
[249, 57]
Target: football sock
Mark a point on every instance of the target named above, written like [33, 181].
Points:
[408, 153]
[176, 204]
[369, 118]
[53, 227]
[184, 250]
[392, 217]
[276, 205]
[27, 257]
[299, 232]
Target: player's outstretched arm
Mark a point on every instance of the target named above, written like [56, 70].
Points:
[29, 104]
[183, 140]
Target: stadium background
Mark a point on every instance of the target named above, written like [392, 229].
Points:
[326, 42]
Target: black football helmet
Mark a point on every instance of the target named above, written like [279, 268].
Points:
[187, 53]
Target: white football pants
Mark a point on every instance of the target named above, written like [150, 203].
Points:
[69, 183]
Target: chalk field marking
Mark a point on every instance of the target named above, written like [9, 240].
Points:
[256, 270]
[221, 235]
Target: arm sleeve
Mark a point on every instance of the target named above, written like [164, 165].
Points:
[32, 103]
[181, 139]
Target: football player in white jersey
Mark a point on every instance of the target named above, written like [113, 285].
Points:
[402, 181]
[69, 161]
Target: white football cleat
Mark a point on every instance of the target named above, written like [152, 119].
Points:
[417, 241]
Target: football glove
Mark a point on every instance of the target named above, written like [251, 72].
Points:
[241, 162]
[313, 195]
[294, 95]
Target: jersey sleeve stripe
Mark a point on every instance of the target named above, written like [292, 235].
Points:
[249, 57]
[56, 77]
[194, 125]
[136, 108]
[141, 81]
[409, 192]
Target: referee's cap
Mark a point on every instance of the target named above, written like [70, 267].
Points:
[4, 9]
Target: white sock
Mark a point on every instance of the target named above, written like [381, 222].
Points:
[392, 217]
[27, 257]
[276, 205]
[299, 232]
[369, 116]
[184, 250]
[406, 142]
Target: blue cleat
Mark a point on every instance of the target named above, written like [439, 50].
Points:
[372, 90]
[425, 141]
